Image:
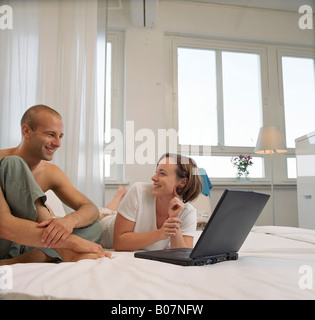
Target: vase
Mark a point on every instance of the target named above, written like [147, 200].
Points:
[244, 178]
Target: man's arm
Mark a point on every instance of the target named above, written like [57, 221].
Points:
[85, 211]
[18, 230]
[27, 233]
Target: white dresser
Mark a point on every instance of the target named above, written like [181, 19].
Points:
[305, 159]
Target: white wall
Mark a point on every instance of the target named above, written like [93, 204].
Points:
[145, 76]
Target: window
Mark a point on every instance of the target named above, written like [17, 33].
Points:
[299, 97]
[114, 111]
[241, 98]
[298, 82]
[219, 105]
[291, 167]
[220, 166]
[237, 97]
[197, 91]
[101, 76]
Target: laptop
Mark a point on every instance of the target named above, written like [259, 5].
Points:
[228, 227]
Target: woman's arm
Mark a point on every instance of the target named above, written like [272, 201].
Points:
[180, 241]
[125, 239]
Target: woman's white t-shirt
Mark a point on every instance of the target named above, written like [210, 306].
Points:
[139, 206]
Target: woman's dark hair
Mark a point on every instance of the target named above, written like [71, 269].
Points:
[186, 168]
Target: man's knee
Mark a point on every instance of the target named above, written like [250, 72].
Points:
[12, 162]
[12, 168]
[19, 187]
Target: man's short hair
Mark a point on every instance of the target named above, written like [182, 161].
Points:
[30, 115]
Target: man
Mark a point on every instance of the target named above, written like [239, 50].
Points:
[25, 174]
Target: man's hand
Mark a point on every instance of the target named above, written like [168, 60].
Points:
[57, 231]
[58, 236]
[79, 244]
[87, 249]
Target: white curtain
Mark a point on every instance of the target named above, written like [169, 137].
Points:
[50, 57]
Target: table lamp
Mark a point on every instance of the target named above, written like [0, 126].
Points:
[270, 141]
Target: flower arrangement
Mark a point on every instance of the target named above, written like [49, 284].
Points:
[242, 163]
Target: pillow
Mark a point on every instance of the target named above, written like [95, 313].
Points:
[203, 207]
[202, 219]
[55, 204]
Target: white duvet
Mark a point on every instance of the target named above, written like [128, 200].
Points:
[274, 263]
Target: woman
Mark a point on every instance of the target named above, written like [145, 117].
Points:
[153, 217]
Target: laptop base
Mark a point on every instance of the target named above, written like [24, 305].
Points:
[182, 257]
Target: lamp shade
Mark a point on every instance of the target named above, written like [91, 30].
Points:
[270, 140]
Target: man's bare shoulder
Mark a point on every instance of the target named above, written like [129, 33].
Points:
[7, 152]
[48, 175]
[50, 168]
[47, 169]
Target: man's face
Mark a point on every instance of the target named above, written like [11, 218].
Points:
[46, 138]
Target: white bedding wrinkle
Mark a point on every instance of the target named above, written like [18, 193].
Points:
[299, 234]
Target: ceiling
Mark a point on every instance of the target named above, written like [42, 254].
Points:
[283, 5]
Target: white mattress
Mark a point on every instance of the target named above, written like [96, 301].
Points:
[270, 266]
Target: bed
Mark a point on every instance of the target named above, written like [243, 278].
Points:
[274, 263]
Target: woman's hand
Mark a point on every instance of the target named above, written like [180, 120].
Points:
[169, 228]
[176, 206]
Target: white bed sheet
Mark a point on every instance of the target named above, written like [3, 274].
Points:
[268, 267]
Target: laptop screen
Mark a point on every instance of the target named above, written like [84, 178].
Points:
[230, 223]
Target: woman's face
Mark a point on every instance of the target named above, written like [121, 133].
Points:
[165, 178]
